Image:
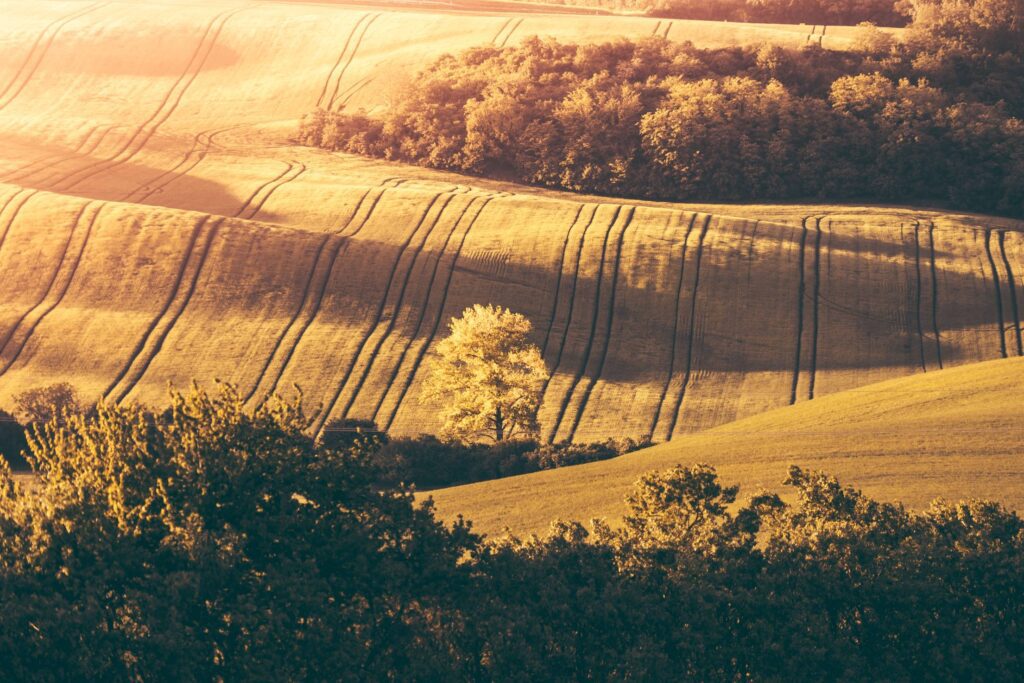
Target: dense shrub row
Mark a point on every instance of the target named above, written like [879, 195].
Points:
[831, 12]
[427, 462]
[933, 121]
[213, 544]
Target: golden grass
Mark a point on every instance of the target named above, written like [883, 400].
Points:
[955, 434]
[173, 232]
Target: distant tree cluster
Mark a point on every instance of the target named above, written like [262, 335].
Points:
[821, 12]
[212, 543]
[935, 120]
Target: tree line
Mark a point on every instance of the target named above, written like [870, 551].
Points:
[821, 12]
[935, 119]
[214, 543]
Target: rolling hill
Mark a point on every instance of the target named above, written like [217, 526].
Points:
[157, 225]
[954, 434]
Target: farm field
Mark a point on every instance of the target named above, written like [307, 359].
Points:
[158, 226]
[954, 434]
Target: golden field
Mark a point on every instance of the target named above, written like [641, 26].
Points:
[953, 434]
[158, 225]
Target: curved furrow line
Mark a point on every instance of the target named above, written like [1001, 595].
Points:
[511, 30]
[160, 335]
[677, 407]
[52, 163]
[800, 293]
[998, 293]
[443, 200]
[494, 40]
[312, 310]
[175, 288]
[378, 194]
[299, 169]
[657, 27]
[558, 283]
[567, 397]
[351, 56]
[29, 168]
[57, 288]
[353, 90]
[603, 358]
[37, 53]
[425, 346]
[21, 197]
[668, 27]
[166, 108]
[255, 193]
[675, 329]
[396, 310]
[396, 368]
[337, 62]
[308, 301]
[572, 305]
[813, 370]
[935, 294]
[918, 294]
[49, 286]
[1013, 292]
[201, 146]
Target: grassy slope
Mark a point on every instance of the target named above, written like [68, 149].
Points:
[955, 433]
[336, 273]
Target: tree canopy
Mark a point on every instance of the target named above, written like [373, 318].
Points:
[487, 376]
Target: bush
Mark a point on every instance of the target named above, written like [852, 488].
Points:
[662, 121]
[429, 463]
[211, 543]
[12, 441]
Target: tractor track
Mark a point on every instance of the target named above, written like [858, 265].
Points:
[202, 229]
[40, 310]
[418, 361]
[37, 53]
[998, 293]
[321, 419]
[339, 247]
[494, 40]
[801, 290]
[935, 293]
[512, 29]
[22, 196]
[678, 406]
[351, 56]
[572, 306]
[1013, 292]
[567, 398]
[337, 62]
[396, 369]
[918, 295]
[310, 302]
[52, 162]
[675, 328]
[558, 283]
[816, 309]
[201, 146]
[254, 204]
[145, 131]
[397, 308]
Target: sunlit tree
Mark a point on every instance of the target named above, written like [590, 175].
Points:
[487, 376]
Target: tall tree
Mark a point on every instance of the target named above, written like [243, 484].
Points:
[488, 375]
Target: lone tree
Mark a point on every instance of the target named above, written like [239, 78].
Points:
[488, 376]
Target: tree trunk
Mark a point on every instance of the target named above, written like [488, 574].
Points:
[499, 426]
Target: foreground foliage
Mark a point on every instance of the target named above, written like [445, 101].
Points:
[216, 544]
[937, 119]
